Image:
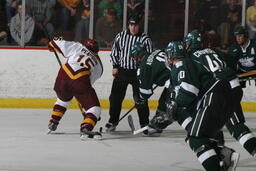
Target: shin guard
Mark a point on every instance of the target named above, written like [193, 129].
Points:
[59, 110]
[205, 153]
[243, 134]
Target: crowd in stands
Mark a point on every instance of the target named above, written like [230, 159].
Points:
[71, 19]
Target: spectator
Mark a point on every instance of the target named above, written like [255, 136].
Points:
[82, 26]
[124, 73]
[208, 10]
[3, 28]
[105, 4]
[68, 9]
[210, 37]
[40, 11]
[251, 20]
[10, 9]
[135, 7]
[52, 3]
[107, 27]
[231, 18]
[242, 53]
[85, 4]
[15, 26]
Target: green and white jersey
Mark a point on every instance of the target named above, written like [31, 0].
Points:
[244, 58]
[191, 81]
[213, 61]
[151, 71]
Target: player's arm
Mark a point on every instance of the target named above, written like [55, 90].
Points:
[187, 90]
[146, 82]
[66, 48]
[232, 58]
[149, 45]
[115, 53]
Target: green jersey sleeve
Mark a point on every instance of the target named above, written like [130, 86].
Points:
[151, 71]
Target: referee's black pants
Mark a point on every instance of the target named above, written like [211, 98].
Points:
[118, 91]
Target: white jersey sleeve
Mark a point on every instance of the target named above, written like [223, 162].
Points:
[79, 57]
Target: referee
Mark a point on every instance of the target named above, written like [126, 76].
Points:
[124, 73]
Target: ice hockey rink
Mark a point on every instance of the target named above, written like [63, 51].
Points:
[25, 146]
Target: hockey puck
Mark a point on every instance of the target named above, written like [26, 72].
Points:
[100, 130]
[90, 136]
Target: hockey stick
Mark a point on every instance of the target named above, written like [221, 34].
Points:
[58, 59]
[140, 130]
[131, 124]
[49, 38]
[134, 132]
[250, 73]
[126, 114]
[130, 110]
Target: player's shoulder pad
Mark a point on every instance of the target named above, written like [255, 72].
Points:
[162, 54]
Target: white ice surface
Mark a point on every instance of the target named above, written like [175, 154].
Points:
[24, 146]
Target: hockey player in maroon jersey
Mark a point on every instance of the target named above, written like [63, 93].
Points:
[75, 79]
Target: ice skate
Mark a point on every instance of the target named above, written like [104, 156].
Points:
[110, 128]
[52, 127]
[230, 158]
[87, 135]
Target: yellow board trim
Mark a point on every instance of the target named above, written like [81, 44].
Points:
[59, 114]
[74, 77]
[49, 103]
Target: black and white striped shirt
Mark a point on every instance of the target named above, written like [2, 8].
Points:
[120, 55]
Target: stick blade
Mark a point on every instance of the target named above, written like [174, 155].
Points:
[130, 122]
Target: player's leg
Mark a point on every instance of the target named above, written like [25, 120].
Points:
[237, 127]
[90, 103]
[142, 108]
[63, 101]
[210, 117]
[59, 109]
[205, 153]
[242, 134]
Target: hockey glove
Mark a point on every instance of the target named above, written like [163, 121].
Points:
[171, 110]
[50, 46]
[160, 121]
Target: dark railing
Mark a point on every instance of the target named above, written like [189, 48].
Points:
[162, 20]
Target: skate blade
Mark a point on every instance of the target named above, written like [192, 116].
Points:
[49, 131]
[234, 158]
[85, 137]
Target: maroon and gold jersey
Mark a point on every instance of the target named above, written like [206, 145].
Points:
[80, 60]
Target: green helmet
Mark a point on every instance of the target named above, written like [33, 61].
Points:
[241, 30]
[175, 49]
[194, 40]
[138, 50]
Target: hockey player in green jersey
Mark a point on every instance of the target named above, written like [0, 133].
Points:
[212, 61]
[152, 70]
[243, 53]
[194, 83]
